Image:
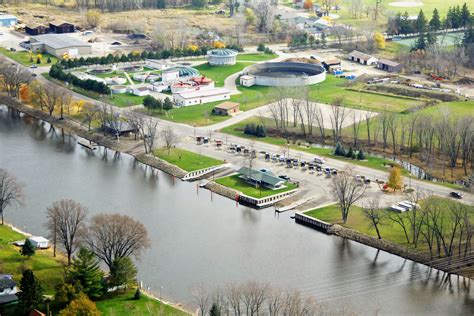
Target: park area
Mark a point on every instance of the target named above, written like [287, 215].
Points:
[186, 160]
[28, 59]
[237, 183]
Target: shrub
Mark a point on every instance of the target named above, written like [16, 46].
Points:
[261, 47]
[339, 151]
[360, 155]
[137, 295]
[350, 153]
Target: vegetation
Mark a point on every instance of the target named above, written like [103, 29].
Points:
[186, 160]
[239, 184]
[81, 305]
[220, 73]
[86, 271]
[57, 72]
[255, 130]
[30, 294]
[27, 249]
[25, 57]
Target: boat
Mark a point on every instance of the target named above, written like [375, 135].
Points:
[87, 144]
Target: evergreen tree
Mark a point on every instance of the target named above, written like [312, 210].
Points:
[38, 60]
[199, 3]
[420, 24]
[339, 151]
[431, 38]
[214, 311]
[27, 249]
[86, 270]
[323, 39]
[406, 26]
[161, 4]
[468, 38]
[65, 293]
[420, 43]
[167, 104]
[48, 60]
[360, 155]
[138, 294]
[465, 16]
[31, 293]
[350, 153]
[148, 102]
[435, 22]
[122, 272]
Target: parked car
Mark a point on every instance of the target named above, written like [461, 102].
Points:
[455, 195]
[319, 160]
[34, 66]
[284, 177]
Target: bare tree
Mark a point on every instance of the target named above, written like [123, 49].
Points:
[147, 128]
[66, 224]
[11, 191]
[89, 111]
[338, 117]
[374, 214]
[50, 97]
[13, 77]
[234, 297]
[170, 138]
[319, 118]
[202, 297]
[265, 16]
[347, 191]
[113, 236]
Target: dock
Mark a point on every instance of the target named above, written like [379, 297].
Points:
[86, 144]
[292, 205]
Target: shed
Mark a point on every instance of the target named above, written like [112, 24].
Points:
[8, 289]
[389, 65]
[247, 80]
[226, 108]
[122, 129]
[140, 91]
[60, 27]
[362, 58]
[39, 242]
[36, 29]
[8, 20]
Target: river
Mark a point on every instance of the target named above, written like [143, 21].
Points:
[199, 239]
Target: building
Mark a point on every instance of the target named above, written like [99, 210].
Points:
[203, 82]
[60, 27]
[140, 91]
[389, 65]
[158, 64]
[201, 96]
[8, 289]
[362, 58]
[170, 75]
[265, 179]
[331, 63]
[247, 81]
[39, 242]
[122, 129]
[8, 20]
[34, 29]
[222, 57]
[226, 108]
[59, 45]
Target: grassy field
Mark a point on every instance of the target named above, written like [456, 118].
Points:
[220, 73]
[442, 40]
[356, 220]
[125, 305]
[23, 57]
[186, 160]
[256, 57]
[236, 183]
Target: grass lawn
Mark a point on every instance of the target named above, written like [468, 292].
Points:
[256, 57]
[236, 183]
[23, 57]
[125, 305]
[388, 230]
[186, 160]
[220, 73]
[48, 269]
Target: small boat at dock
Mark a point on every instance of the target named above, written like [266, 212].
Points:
[87, 144]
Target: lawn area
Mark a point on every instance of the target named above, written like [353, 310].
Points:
[220, 73]
[356, 220]
[236, 183]
[48, 269]
[256, 57]
[23, 57]
[125, 305]
[443, 40]
[186, 160]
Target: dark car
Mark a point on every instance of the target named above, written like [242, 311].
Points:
[455, 195]
[284, 177]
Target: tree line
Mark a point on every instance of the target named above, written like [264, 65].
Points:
[56, 71]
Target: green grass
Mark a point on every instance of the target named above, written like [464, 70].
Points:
[256, 57]
[236, 183]
[23, 57]
[388, 230]
[125, 305]
[48, 269]
[220, 73]
[186, 160]
[443, 40]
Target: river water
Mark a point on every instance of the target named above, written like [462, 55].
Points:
[197, 238]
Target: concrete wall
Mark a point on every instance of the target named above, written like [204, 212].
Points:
[222, 60]
[315, 74]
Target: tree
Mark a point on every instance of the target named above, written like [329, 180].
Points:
[167, 104]
[93, 18]
[138, 294]
[122, 273]
[66, 292]
[465, 18]
[112, 236]
[89, 111]
[420, 24]
[250, 19]
[81, 306]
[347, 191]
[379, 40]
[360, 155]
[308, 5]
[214, 311]
[373, 213]
[161, 4]
[170, 138]
[31, 292]
[435, 22]
[66, 224]
[13, 77]
[27, 249]
[199, 3]
[11, 191]
[265, 16]
[86, 271]
[395, 180]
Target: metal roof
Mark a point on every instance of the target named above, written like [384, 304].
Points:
[58, 41]
[387, 62]
[185, 71]
[222, 52]
[202, 93]
[360, 55]
[267, 177]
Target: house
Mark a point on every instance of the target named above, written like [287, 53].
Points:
[247, 81]
[8, 289]
[389, 65]
[140, 91]
[36, 29]
[39, 242]
[362, 58]
[60, 27]
[8, 20]
[262, 178]
[59, 45]
[201, 96]
[226, 108]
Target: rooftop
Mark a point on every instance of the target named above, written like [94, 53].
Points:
[6, 282]
[59, 22]
[202, 93]
[389, 62]
[227, 105]
[222, 52]
[38, 239]
[360, 55]
[58, 41]
[266, 177]
[33, 25]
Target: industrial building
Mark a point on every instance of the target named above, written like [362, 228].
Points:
[59, 45]
[8, 20]
[195, 97]
[222, 57]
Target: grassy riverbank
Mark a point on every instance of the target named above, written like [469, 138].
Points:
[186, 160]
[236, 183]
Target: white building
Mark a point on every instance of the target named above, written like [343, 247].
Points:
[247, 81]
[158, 64]
[170, 75]
[39, 242]
[362, 58]
[222, 57]
[195, 97]
[140, 91]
